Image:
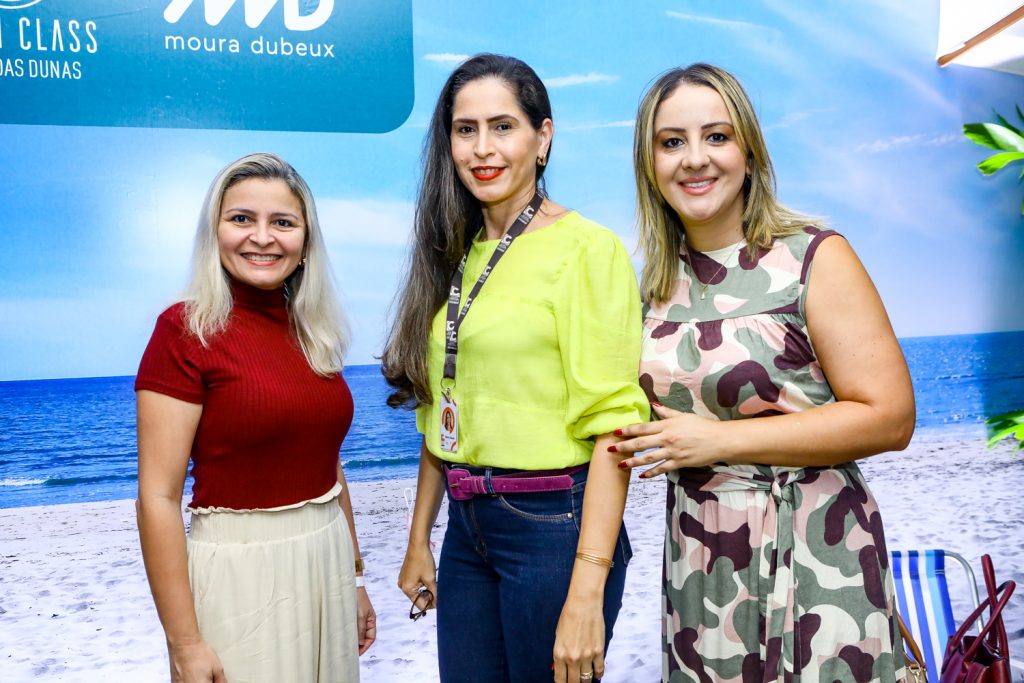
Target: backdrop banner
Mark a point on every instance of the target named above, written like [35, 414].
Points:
[285, 65]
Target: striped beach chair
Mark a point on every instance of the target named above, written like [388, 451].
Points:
[922, 597]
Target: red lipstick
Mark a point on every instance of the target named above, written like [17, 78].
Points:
[486, 173]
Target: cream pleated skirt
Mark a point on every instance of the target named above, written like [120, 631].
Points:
[274, 591]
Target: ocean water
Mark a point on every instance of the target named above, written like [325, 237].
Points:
[73, 440]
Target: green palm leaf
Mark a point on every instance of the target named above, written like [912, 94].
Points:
[1006, 425]
[995, 136]
[1009, 140]
[1007, 124]
[996, 162]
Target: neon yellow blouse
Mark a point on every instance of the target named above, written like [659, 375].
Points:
[548, 353]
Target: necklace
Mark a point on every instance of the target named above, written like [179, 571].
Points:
[704, 286]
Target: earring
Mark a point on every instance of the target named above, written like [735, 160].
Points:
[542, 161]
[302, 262]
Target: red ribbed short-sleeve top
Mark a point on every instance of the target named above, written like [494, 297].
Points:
[271, 428]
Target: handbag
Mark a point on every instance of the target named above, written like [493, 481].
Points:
[984, 658]
[916, 669]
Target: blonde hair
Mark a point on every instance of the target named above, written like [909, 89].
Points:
[317, 320]
[661, 230]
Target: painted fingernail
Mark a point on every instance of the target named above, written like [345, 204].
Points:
[655, 403]
[613, 449]
[623, 465]
[617, 432]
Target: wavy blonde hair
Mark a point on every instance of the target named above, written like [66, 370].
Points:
[661, 230]
[317, 320]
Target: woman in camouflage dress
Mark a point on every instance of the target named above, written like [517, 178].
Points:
[770, 378]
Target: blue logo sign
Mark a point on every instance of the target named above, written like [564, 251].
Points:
[288, 65]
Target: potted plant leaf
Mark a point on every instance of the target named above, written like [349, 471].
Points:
[1009, 140]
[1002, 136]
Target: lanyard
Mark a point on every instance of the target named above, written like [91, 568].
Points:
[454, 317]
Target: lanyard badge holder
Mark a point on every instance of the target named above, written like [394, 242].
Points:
[449, 422]
[454, 318]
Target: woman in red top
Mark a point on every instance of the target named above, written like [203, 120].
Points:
[244, 376]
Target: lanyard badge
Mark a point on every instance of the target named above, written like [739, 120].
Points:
[449, 423]
[454, 318]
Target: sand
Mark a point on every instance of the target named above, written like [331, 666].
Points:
[75, 606]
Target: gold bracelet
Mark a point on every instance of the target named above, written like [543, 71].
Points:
[359, 565]
[586, 557]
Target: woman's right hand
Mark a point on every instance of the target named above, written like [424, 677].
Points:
[195, 663]
[676, 440]
[418, 571]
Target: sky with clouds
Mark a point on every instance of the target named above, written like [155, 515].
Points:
[863, 127]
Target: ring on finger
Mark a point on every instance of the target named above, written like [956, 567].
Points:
[588, 676]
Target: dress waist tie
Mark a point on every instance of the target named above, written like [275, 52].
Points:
[778, 650]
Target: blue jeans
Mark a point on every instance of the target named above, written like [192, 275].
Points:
[503, 578]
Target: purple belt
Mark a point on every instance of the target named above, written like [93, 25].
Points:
[463, 485]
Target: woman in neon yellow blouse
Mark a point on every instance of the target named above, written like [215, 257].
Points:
[517, 339]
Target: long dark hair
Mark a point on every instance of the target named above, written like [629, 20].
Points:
[447, 217]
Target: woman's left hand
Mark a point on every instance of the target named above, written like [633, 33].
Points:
[676, 440]
[579, 640]
[366, 620]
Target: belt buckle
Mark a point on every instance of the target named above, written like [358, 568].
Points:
[455, 475]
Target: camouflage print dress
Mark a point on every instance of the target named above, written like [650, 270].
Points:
[771, 573]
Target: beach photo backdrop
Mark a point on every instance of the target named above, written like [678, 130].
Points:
[864, 129]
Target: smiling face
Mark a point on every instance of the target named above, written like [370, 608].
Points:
[261, 232]
[494, 146]
[698, 162]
